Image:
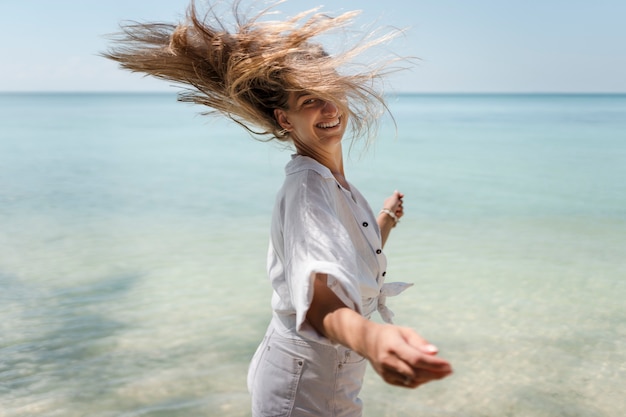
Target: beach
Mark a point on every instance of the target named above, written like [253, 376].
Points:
[134, 232]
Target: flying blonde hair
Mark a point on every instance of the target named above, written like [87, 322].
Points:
[249, 71]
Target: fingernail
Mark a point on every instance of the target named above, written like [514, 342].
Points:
[431, 348]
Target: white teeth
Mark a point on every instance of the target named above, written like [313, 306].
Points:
[328, 125]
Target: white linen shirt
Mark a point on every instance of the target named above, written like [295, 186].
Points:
[318, 226]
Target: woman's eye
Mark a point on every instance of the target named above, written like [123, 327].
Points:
[309, 101]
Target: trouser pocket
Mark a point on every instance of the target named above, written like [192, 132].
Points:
[276, 382]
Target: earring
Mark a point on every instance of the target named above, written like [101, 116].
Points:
[283, 132]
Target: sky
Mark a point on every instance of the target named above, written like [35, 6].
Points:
[463, 46]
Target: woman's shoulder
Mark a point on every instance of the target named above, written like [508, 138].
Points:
[309, 180]
[304, 165]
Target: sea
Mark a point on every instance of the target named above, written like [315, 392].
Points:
[134, 232]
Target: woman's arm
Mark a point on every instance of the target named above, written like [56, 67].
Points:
[385, 220]
[398, 354]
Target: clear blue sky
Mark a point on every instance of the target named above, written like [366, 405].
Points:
[464, 46]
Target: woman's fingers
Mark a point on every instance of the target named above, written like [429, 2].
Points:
[417, 341]
[394, 202]
[420, 361]
[409, 360]
[403, 375]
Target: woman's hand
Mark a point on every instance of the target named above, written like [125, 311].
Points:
[393, 203]
[388, 221]
[402, 357]
[398, 354]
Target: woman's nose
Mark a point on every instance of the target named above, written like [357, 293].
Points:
[330, 109]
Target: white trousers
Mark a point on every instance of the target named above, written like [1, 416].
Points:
[294, 377]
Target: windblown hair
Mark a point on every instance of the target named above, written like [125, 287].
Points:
[249, 71]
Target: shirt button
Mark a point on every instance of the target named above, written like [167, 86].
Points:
[378, 251]
[365, 224]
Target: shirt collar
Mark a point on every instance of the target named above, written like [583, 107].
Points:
[300, 163]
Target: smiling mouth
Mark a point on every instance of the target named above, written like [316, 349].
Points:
[329, 125]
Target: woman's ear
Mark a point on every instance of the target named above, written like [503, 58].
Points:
[281, 118]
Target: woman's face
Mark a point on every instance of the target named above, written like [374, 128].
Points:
[313, 122]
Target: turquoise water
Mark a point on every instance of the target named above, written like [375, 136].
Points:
[133, 235]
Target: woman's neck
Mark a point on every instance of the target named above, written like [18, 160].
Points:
[334, 162]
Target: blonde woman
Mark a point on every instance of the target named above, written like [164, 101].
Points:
[325, 260]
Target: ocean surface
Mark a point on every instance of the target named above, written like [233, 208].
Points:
[133, 237]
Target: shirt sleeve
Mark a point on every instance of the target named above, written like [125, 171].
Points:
[316, 241]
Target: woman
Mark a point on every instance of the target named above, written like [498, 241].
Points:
[325, 260]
